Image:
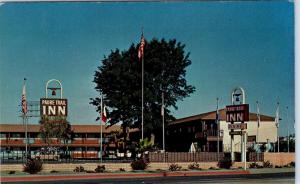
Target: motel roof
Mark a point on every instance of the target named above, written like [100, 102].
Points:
[75, 128]
[222, 116]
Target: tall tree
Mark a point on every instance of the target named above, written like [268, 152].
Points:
[55, 127]
[119, 80]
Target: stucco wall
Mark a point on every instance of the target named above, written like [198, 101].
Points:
[114, 166]
[279, 159]
[267, 132]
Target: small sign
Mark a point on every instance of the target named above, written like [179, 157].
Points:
[237, 126]
[53, 107]
[237, 113]
[236, 133]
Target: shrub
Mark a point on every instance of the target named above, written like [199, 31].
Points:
[90, 171]
[100, 169]
[33, 166]
[267, 164]
[292, 164]
[79, 169]
[212, 168]
[64, 156]
[255, 165]
[174, 167]
[194, 166]
[225, 163]
[140, 164]
[122, 169]
[53, 171]
[278, 166]
[11, 172]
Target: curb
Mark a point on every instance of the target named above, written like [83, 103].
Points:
[115, 176]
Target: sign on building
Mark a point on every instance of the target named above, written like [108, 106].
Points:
[237, 126]
[237, 113]
[53, 107]
[236, 133]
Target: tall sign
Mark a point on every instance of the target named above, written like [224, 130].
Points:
[237, 113]
[53, 107]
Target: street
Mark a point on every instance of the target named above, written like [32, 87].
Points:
[286, 178]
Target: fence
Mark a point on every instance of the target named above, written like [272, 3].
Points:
[201, 157]
[20, 157]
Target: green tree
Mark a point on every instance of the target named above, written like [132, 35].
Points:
[119, 80]
[55, 127]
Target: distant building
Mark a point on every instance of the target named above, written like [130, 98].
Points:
[202, 130]
[85, 144]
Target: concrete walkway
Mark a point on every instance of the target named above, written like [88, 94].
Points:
[82, 176]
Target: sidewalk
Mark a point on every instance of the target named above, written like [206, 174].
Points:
[56, 177]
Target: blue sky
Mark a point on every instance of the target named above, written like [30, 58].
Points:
[249, 44]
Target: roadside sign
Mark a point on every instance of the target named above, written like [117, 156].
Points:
[237, 126]
[236, 133]
[53, 107]
[237, 113]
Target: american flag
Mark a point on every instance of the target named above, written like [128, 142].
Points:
[24, 102]
[141, 48]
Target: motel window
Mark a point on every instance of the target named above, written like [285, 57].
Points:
[16, 135]
[3, 135]
[78, 149]
[92, 135]
[106, 140]
[91, 149]
[77, 135]
[251, 138]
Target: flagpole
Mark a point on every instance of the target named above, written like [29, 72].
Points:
[218, 129]
[258, 122]
[141, 56]
[163, 119]
[143, 86]
[277, 116]
[142, 96]
[25, 120]
[101, 127]
[288, 131]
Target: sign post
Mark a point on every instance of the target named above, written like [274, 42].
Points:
[238, 112]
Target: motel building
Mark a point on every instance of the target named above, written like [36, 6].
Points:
[202, 131]
[84, 145]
